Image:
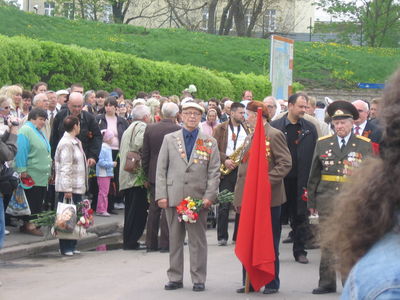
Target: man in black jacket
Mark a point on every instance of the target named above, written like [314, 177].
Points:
[89, 135]
[152, 141]
[301, 136]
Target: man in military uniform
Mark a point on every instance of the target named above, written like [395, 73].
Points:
[335, 158]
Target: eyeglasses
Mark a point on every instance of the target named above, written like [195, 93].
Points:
[121, 105]
[194, 113]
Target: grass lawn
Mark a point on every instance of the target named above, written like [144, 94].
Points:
[315, 64]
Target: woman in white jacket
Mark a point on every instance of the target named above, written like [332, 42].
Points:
[71, 172]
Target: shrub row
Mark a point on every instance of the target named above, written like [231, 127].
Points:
[27, 61]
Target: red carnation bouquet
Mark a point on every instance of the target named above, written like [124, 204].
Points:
[188, 210]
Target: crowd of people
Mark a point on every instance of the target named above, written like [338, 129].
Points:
[70, 144]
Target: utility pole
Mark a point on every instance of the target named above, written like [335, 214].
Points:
[311, 28]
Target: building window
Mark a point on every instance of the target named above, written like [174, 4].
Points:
[68, 10]
[107, 13]
[204, 18]
[49, 8]
[89, 11]
[270, 20]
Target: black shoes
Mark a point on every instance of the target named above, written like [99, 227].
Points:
[173, 285]
[302, 259]
[288, 240]
[322, 290]
[198, 287]
[268, 291]
[138, 247]
[242, 290]
[152, 249]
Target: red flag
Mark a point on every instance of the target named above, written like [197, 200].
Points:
[254, 243]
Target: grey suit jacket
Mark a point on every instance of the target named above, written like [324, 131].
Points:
[178, 177]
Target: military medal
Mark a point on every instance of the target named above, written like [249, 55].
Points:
[180, 147]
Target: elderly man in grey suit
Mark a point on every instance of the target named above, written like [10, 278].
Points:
[185, 169]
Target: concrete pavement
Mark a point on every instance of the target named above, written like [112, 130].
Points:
[119, 274]
[18, 245]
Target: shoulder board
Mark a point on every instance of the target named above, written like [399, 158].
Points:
[325, 137]
[363, 138]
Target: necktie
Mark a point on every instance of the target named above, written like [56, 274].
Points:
[357, 130]
[51, 118]
[343, 142]
[189, 139]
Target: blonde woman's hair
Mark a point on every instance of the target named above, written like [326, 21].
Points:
[10, 91]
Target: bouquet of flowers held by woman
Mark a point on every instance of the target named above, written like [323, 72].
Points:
[85, 214]
[188, 210]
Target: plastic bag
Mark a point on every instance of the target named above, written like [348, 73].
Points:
[18, 205]
[66, 217]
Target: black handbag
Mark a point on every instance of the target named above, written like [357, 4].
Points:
[9, 179]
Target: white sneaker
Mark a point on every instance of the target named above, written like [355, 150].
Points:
[69, 253]
[104, 214]
[76, 252]
[6, 232]
[120, 205]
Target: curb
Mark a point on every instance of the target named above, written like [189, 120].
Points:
[100, 234]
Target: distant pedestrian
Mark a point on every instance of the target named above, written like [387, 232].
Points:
[104, 173]
[153, 138]
[136, 203]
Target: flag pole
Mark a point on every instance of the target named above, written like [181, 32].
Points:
[247, 284]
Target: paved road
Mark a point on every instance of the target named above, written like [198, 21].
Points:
[139, 275]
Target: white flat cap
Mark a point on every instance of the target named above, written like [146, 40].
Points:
[193, 105]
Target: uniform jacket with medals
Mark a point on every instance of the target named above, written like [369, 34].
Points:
[331, 167]
[279, 165]
[178, 176]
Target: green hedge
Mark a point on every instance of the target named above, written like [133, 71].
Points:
[26, 61]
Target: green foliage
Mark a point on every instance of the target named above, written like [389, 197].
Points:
[26, 61]
[315, 64]
[260, 85]
[377, 21]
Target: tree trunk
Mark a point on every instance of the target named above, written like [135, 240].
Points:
[82, 7]
[254, 17]
[211, 17]
[224, 17]
[229, 23]
[117, 12]
[238, 14]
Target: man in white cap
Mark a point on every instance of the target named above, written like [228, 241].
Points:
[188, 165]
[62, 96]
